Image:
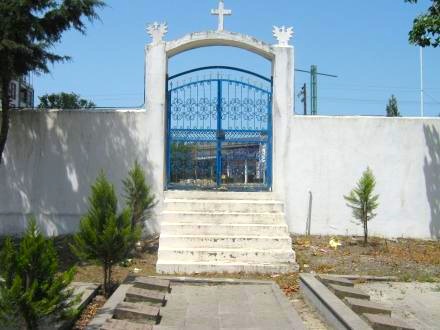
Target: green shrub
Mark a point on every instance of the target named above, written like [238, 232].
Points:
[138, 195]
[105, 236]
[362, 201]
[32, 289]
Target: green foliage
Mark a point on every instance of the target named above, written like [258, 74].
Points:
[32, 288]
[392, 107]
[105, 236]
[29, 30]
[362, 200]
[64, 101]
[138, 195]
[426, 27]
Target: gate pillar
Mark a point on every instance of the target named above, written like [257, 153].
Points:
[155, 104]
[282, 112]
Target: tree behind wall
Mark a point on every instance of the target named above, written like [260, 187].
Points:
[64, 101]
[28, 32]
[392, 107]
[362, 201]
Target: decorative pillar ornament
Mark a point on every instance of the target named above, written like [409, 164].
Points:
[221, 12]
[283, 35]
[157, 31]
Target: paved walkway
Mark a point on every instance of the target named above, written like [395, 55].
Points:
[418, 304]
[239, 306]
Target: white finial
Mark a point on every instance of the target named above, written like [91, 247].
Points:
[221, 12]
[157, 31]
[283, 35]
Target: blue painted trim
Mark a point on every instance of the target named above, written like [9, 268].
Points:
[221, 67]
[219, 128]
[269, 155]
[168, 147]
[222, 80]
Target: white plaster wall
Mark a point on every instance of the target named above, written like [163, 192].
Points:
[52, 158]
[327, 155]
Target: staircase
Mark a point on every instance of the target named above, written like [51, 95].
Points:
[206, 232]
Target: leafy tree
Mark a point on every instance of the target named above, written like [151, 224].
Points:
[138, 195]
[105, 236]
[33, 289]
[28, 31]
[64, 101]
[362, 201]
[392, 107]
[426, 27]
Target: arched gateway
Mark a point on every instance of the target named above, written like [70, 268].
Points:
[176, 107]
[221, 129]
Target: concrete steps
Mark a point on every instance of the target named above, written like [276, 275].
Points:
[174, 267]
[223, 217]
[224, 232]
[214, 205]
[227, 242]
[218, 195]
[173, 228]
[225, 255]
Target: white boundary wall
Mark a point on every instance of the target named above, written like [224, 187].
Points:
[52, 158]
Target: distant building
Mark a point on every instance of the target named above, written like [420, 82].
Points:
[21, 93]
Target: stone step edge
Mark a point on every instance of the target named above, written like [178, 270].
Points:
[223, 250]
[223, 201]
[210, 224]
[329, 306]
[284, 237]
[216, 263]
[220, 213]
[386, 322]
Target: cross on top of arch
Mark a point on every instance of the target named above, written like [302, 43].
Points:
[221, 12]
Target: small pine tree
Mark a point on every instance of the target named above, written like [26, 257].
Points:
[362, 201]
[105, 236]
[32, 289]
[392, 107]
[138, 195]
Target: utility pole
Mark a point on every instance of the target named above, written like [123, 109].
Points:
[422, 101]
[314, 86]
[303, 95]
[314, 90]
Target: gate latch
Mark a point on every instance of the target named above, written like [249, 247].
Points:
[221, 135]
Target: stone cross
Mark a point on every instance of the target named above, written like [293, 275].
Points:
[283, 35]
[157, 31]
[221, 12]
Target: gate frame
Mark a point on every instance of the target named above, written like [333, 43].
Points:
[281, 56]
[219, 119]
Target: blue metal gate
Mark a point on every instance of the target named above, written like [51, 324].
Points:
[219, 130]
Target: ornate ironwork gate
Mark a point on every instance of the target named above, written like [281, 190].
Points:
[219, 130]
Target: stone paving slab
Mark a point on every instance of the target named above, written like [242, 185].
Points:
[112, 324]
[136, 311]
[415, 303]
[383, 322]
[152, 284]
[361, 306]
[223, 306]
[343, 292]
[335, 280]
[143, 295]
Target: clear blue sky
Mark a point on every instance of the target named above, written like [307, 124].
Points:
[365, 43]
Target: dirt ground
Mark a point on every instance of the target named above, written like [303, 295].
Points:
[407, 259]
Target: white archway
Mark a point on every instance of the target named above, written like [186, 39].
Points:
[281, 56]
